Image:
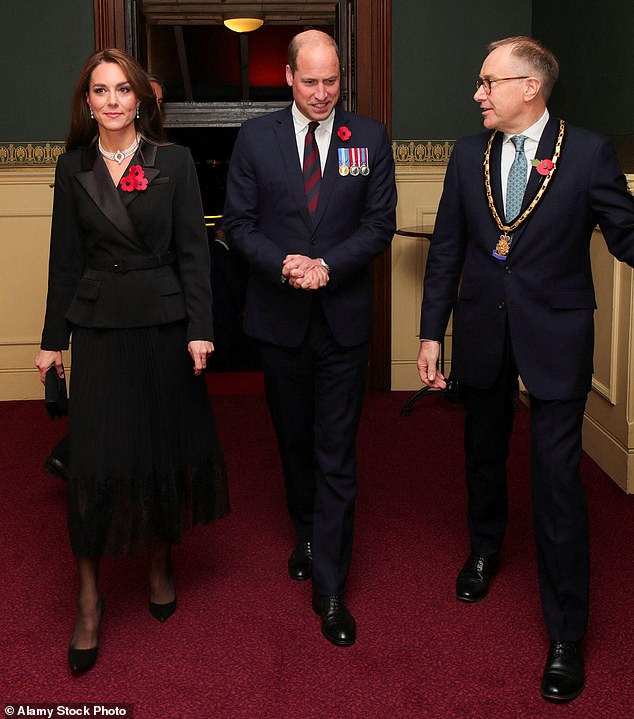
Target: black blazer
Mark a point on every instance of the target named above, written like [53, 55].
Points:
[266, 218]
[544, 289]
[100, 232]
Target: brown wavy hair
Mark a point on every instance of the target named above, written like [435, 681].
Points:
[83, 129]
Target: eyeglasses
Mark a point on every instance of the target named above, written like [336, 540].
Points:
[486, 83]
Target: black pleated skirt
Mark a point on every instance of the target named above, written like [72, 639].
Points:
[145, 460]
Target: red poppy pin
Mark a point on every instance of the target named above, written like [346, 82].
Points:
[134, 180]
[344, 133]
[544, 167]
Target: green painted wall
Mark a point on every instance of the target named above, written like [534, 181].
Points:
[437, 51]
[593, 42]
[44, 45]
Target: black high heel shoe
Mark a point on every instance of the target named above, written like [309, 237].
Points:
[80, 660]
[163, 612]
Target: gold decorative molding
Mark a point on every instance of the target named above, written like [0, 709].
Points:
[14, 155]
[422, 152]
[44, 154]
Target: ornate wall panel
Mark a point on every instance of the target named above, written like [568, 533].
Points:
[412, 153]
[15, 155]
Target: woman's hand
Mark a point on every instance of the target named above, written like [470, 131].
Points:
[45, 359]
[200, 351]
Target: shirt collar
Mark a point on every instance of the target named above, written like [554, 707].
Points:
[534, 132]
[301, 123]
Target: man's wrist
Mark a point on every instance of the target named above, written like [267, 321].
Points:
[324, 264]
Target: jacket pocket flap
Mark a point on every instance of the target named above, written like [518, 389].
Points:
[169, 285]
[572, 299]
[159, 181]
[88, 289]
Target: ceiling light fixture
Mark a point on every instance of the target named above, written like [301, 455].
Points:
[243, 24]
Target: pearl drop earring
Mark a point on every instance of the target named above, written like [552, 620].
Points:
[92, 117]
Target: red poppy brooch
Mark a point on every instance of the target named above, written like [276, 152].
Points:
[344, 133]
[134, 180]
[544, 167]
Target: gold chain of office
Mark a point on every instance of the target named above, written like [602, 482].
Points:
[504, 244]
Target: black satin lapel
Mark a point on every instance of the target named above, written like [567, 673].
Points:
[545, 150]
[495, 168]
[99, 186]
[145, 157]
[147, 154]
[285, 132]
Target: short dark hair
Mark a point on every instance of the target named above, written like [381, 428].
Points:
[540, 59]
[317, 37]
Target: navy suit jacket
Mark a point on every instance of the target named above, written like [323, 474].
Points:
[266, 218]
[97, 225]
[544, 288]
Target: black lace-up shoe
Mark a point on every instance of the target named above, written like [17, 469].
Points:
[300, 563]
[337, 624]
[564, 676]
[475, 577]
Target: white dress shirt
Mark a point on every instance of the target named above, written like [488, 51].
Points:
[533, 135]
[322, 135]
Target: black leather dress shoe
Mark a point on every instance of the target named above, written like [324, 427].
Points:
[337, 624]
[475, 577]
[300, 563]
[564, 676]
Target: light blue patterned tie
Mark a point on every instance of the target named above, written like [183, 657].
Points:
[516, 184]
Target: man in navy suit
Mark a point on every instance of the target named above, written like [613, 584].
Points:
[515, 267]
[310, 202]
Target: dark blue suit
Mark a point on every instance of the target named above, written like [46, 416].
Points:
[532, 314]
[314, 343]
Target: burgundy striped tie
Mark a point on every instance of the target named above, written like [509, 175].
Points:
[312, 168]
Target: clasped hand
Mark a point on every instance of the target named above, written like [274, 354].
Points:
[304, 273]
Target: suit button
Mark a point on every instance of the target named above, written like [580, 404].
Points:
[502, 305]
[507, 269]
[313, 241]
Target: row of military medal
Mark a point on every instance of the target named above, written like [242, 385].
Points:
[353, 161]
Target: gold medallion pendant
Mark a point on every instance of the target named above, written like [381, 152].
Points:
[504, 243]
[503, 246]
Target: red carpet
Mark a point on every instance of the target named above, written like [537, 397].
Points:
[244, 643]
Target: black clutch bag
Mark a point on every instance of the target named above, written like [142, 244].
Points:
[55, 394]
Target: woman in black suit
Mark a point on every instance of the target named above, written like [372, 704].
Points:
[129, 278]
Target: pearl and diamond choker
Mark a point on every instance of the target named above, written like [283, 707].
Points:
[120, 155]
